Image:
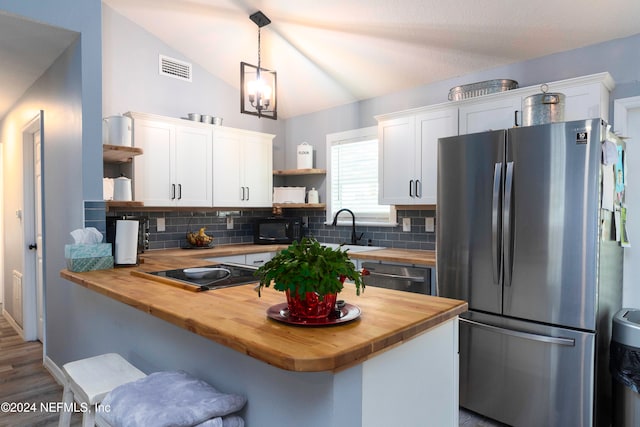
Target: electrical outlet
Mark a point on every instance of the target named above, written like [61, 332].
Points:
[229, 223]
[430, 224]
[160, 224]
[305, 222]
[406, 224]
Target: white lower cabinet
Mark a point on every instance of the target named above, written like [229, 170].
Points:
[254, 260]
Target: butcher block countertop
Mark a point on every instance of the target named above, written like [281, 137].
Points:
[409, 256]
[236, 317]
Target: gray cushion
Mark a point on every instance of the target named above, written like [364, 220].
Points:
[162, 399]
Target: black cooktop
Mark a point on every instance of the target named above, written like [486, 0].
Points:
[220, 276]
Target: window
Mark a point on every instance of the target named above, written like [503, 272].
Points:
[352, 178]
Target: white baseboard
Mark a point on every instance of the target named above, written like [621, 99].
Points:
[13, 323]
[54, 370]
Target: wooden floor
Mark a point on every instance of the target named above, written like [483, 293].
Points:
[25, 382]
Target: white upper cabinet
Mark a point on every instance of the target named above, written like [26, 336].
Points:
[490, 115]
[193, 164]
[585, 98]
[177, 170]
[429, 128]
[398, 160]
[408, 155]
[243, 168]
[154, 173]
[408, 139]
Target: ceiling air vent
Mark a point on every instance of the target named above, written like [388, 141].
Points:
[174, 68]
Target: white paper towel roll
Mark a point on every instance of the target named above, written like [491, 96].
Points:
[126, 242]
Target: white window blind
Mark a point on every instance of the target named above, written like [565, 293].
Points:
[353, 176]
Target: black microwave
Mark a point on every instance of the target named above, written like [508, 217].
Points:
[274, 230]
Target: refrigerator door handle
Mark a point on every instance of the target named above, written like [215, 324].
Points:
[506, 224]
[495, 222]
[519, 334]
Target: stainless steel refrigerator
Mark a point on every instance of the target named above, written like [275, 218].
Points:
[521, 237]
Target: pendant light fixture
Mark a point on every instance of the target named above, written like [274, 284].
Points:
[257, 84]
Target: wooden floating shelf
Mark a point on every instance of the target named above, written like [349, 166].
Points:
[300, 205]
[292, 172]
[121, 204]
[119, 153]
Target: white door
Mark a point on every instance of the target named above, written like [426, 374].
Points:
[32, 283]
[37, 203]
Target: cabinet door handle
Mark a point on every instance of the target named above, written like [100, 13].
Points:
[173, 191]
[247, 193]
[242, 197]
[410, 188]
[515, 118]
[418, 189]
[179, 191]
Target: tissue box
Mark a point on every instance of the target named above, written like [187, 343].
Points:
[88, 257]
[289, 194]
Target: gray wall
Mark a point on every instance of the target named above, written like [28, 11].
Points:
[69, 92]
[618, 57]
[132, 83]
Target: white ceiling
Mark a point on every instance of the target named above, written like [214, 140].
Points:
[333, 52]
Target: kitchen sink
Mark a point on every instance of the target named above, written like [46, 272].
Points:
[353, 248]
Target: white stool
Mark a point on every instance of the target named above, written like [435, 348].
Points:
[89, 380]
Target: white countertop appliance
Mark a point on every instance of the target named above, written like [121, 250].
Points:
[129, 236]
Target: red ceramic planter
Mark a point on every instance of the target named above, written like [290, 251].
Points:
[311, 307]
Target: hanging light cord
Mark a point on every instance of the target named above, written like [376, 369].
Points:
[258, 75]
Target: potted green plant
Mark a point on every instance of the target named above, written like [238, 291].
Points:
[311, 275]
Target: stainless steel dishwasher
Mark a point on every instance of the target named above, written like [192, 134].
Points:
[398, 277]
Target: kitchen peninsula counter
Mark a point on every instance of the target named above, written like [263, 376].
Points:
[397, 364]
[236, 316]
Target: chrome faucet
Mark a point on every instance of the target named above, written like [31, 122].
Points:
[354, 239]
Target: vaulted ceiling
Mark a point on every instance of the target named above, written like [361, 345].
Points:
[333, 52]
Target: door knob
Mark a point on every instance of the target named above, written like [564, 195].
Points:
[33, 246]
